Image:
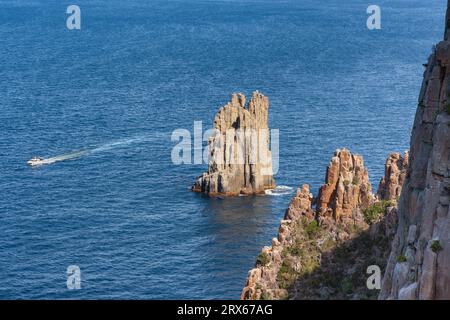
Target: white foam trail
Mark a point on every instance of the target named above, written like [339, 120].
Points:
[279, 191]
[119, 143]
[104, 147]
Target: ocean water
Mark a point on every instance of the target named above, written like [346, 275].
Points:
[102, 102]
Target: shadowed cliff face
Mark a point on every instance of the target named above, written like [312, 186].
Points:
[423, 235]
[346, 186]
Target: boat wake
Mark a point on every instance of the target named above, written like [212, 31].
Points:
[279, 191]
[119, 143]
[97, 149]
[64, 157]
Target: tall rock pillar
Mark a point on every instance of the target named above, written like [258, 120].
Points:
[240, 160]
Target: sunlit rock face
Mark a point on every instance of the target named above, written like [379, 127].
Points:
[262, 281]
[346, 186]
[240, 160]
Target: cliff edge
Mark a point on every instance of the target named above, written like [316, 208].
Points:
[419, 263]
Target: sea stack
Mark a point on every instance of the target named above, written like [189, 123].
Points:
[419, 263]
[240, 160]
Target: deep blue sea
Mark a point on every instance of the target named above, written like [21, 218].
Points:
[137, 70]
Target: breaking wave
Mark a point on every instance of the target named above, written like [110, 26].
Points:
[279, 191]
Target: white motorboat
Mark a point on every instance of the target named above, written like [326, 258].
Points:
[35, 161]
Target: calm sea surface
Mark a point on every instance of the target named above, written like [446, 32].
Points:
[104, 101]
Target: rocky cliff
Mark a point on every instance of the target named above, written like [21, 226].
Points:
[240, 160]
[404, 229]
[396, 167]
[419, 263]
[263, 281]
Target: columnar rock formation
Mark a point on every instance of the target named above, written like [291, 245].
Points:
[346, 186]
[391, 184]
[309, 253]
[315, 255]
[240, 158]
[419, 263]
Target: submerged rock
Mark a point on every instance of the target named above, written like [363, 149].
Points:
[240, 160]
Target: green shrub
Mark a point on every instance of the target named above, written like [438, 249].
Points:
[309, 264]
[436, 246]
[312, 229]
[373, 213]
[347, 286]
[355, 180]
[286, 275]
[328, 244]
[346, 182]
[295, 250]
[264, 296]
[401, 258]
[263, 259]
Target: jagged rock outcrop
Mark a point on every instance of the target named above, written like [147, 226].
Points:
[346, 186]
[240, 159]
[304, 251]
[419, 263]
[391, 184]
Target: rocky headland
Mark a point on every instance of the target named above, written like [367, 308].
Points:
[240, 160]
